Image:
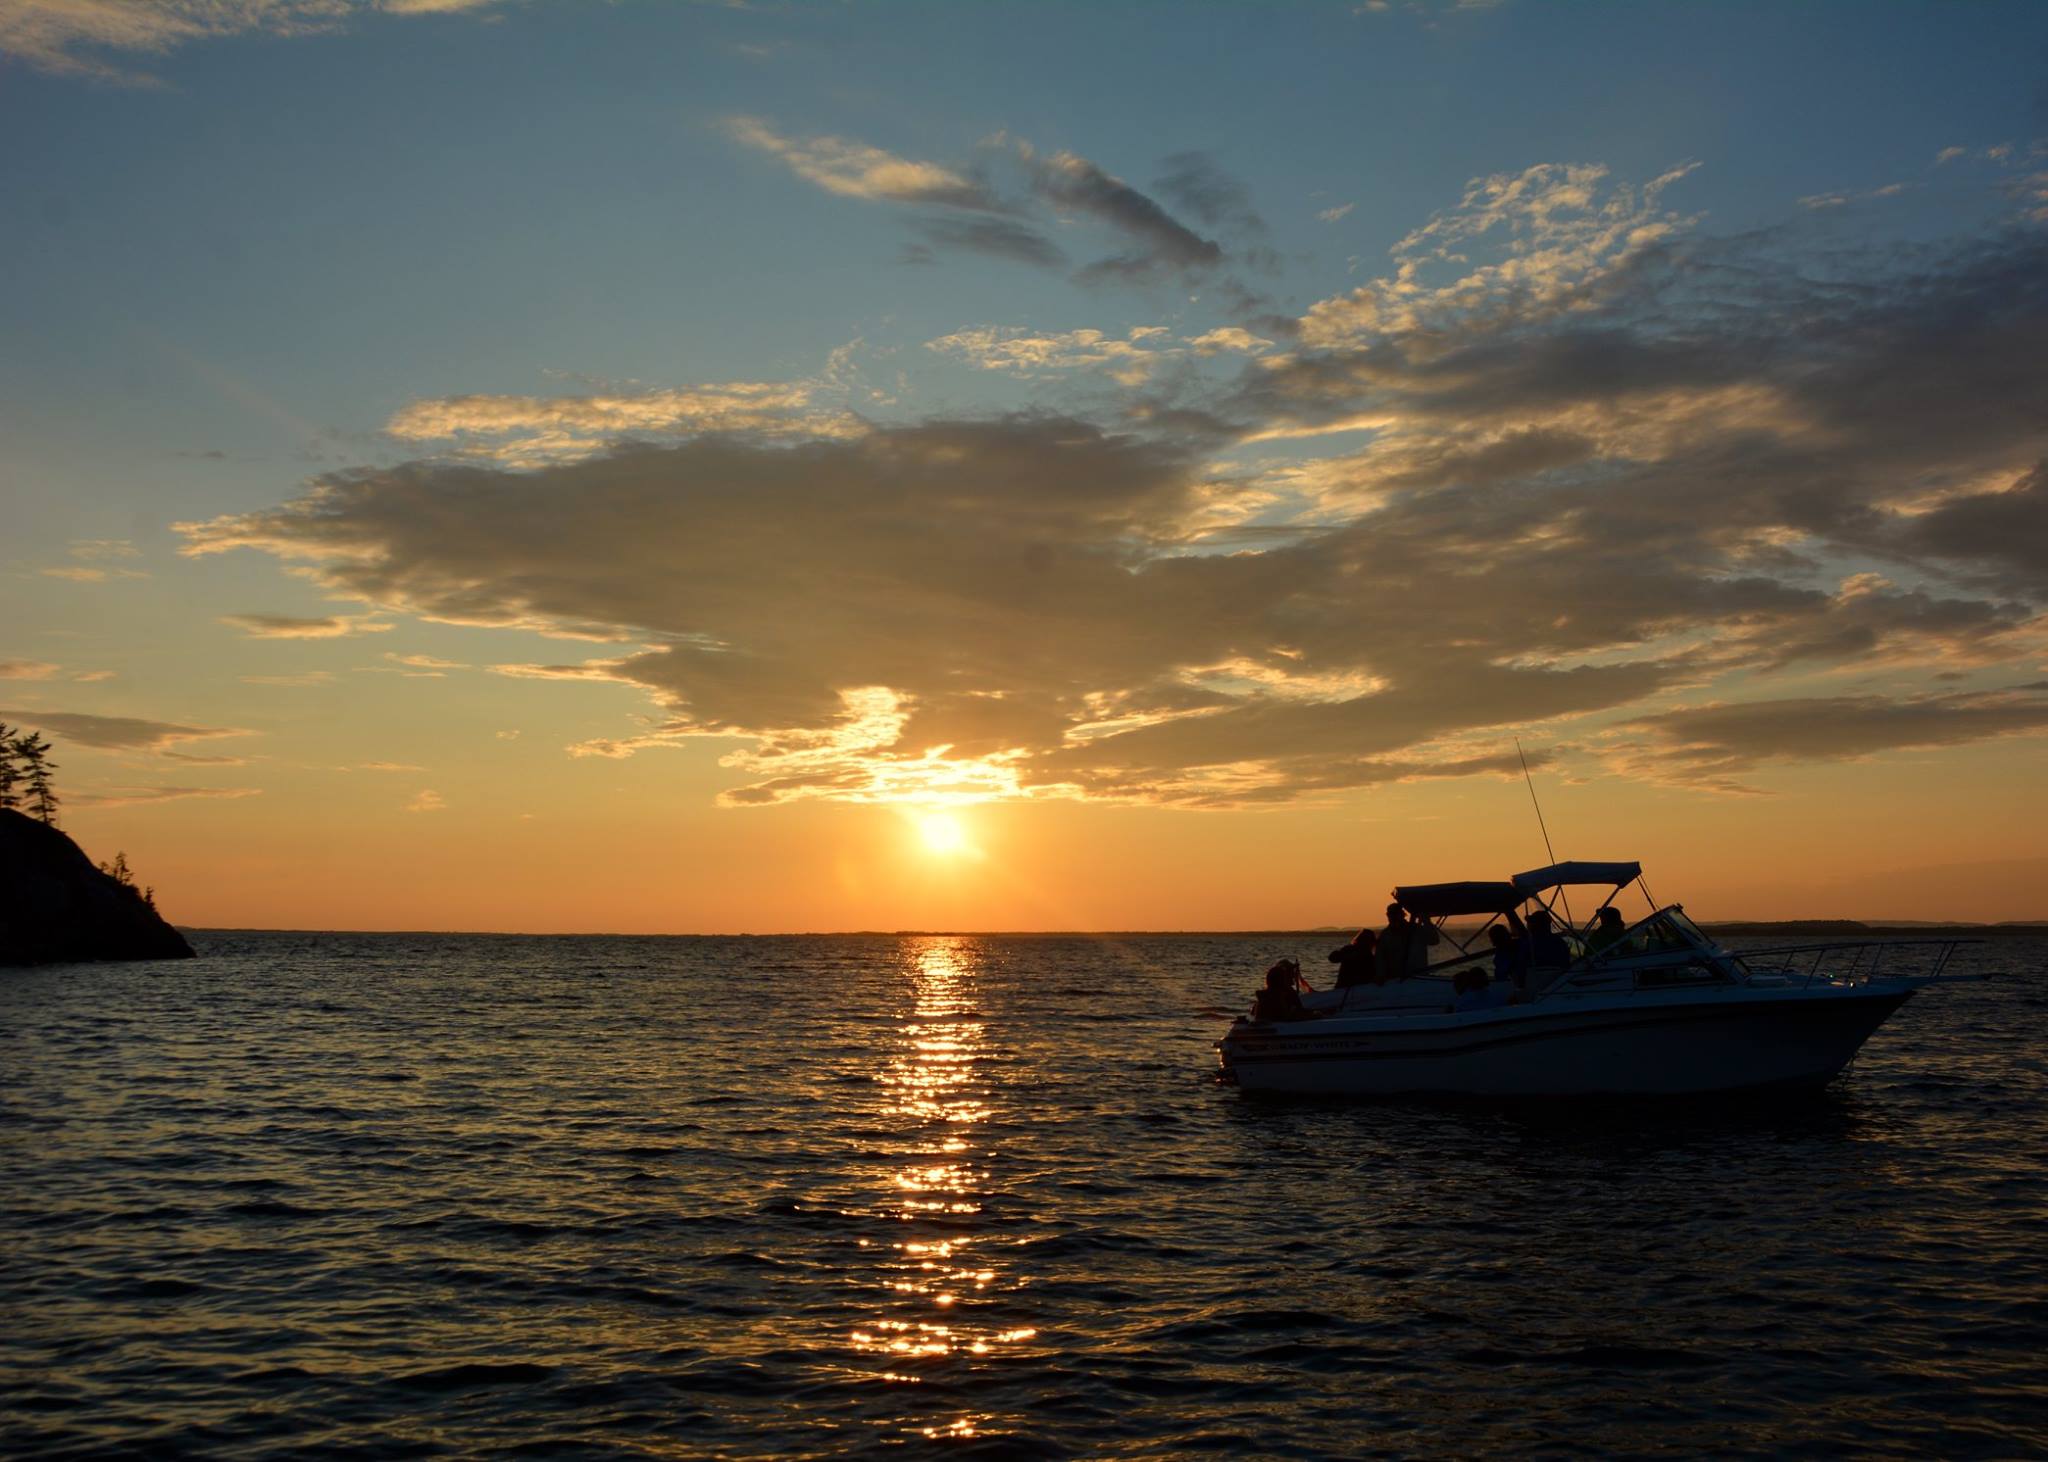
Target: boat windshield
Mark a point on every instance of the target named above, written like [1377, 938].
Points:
[1664, 932]
[1667, 929]
[1692, 932]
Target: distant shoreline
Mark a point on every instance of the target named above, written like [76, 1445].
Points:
[1797, 928]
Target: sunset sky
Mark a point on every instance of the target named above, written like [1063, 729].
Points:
[662, 466]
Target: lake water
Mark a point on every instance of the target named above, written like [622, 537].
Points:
[368, 1195]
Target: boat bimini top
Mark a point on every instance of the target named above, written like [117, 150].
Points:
[1539, 881]
[1545, 887]
[1447, 900]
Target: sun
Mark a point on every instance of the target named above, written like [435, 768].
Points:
[943, 834]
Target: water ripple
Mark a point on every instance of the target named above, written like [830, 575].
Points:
[391, 1195]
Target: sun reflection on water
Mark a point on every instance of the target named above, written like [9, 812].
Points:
[945, 1279]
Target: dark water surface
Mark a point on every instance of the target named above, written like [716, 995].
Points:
[425, 1195]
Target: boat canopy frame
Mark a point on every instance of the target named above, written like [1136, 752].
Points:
[1438, 903]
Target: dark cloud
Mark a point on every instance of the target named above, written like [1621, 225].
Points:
[1635, 464]
[1002, 237]
[1196, 182]
[118, 733]
[1014, 594]
[1164, 244]
[1712, 742]
[966, 208]
[1721, 415]
[2006, 532]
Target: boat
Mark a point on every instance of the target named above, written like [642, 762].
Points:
[1663, 1010]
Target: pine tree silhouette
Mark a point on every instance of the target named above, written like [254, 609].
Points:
[121, 873]
[10, 770]
[35, 755]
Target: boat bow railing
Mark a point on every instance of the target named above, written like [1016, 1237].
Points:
[1852, 961]
[1835, 961]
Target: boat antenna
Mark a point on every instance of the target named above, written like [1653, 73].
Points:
[1540, 825]
[1531, 781]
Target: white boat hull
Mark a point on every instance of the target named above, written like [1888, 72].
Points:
[1645, 1044]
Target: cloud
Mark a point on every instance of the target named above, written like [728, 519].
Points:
[90, 573]
[1337, 214]
[753, 406]
[955, 208]
[1712, 742]
[1074, 185]
[104, 548]
[856, 170]
[424, 662]
[527, 431]
[951, 209]
[119, 733]
[1004, 605]
[294, 627]
[1843, 199]
[94, 566]
[1806, 400]
[1198, 183]
[427, 801]
[28, 670]
[2005, 531]
[72, 37]
[143, 796]
[1128, 359]
[1020, 352]
[1229, 337]
[1004, 238]
[1570, 464]
[1563, 231]
[588, 670]
[304, 678]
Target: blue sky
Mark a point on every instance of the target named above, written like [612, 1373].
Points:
[499, 330]
[534, 187]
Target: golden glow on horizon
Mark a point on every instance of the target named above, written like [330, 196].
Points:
[548, 859]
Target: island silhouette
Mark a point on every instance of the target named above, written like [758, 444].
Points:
[56, 905]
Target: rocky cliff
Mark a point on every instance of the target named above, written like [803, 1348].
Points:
[55, 907]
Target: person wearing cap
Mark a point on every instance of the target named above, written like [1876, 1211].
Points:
[1390, 959]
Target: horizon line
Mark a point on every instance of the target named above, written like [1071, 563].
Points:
[2013, 925]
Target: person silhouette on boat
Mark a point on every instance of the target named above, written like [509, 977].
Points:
[1510, 954]
[1281, 999]
[1355, 961]
[1547, 949]
[1608, 931]
[1474, 989]
[1403, 945]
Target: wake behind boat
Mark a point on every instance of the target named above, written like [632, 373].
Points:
[1654, 1008]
